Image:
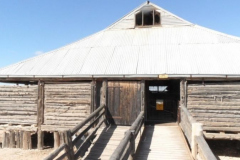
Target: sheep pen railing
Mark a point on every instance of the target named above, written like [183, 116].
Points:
[126, 149]
[194, 135]
[95, 120]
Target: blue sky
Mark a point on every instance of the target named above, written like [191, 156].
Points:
[31, 27]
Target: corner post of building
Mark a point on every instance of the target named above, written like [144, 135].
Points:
[182, 98]
[142, 95]
[103, 98]
[183, 88]
[40, 114]
[93, 96]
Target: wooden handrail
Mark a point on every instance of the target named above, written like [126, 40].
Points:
[189, 116]
[56, 152]
[68, 142]
[92, 115]
[117, 154]
[129, 138]
[85, 130]
[194, 134]
[203, 149]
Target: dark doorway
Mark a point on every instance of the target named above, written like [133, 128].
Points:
[162, 98]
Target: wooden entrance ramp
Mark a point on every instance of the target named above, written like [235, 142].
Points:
[105, 143]
[163, 142]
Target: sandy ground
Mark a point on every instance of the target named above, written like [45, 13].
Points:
[19, 154]
[224, 150]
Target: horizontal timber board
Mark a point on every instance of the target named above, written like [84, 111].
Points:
[213, 107]
[215, 111]
[224, 129]
[215, 115]
[222, 119]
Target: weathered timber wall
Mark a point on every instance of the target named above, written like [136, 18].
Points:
[124, 101]
[216, 105]
[18, 104]
[65, 105]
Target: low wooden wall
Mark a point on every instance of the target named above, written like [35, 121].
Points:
[65, 105]
[216, 105]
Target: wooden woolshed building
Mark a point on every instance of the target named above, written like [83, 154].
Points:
[150, 60]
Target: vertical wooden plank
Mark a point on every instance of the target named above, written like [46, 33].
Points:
[61, 138]
[17, 139]
[25, 140]
[93, 96]
[4, 140]
[12, 139]
[21, 139]
[103, 99]
[29, 140]
[56, 140]
[68, 141]
[185, 92]
[40, 114]
[142, 95]
[110, 101]
[182, 92]
[123, 103]
[7, 140]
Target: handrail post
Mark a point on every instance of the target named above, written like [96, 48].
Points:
[132, 145]
[68, 140]
[197, 130]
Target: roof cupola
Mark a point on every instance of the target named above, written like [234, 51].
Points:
[147, 16]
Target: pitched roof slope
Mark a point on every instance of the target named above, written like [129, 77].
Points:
[178, 47]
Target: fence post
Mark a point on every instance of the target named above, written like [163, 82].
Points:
[68, 140]
[196, 131]
[132, 145]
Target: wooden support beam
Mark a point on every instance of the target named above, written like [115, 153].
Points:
[4, 142]
[17, 139]
[56, 140]
[27, 141]
[142, 95]
[61, 138]
[68, 141]
[21, 139]
[40, 114]
[12, 140]
[103, 99]
[93, 96]
[7, 140]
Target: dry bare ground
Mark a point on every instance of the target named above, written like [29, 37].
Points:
[20, 154]
[225, 150]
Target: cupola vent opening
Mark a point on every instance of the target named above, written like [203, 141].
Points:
[147, 16]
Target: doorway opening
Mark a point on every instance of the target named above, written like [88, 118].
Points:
[162, 100]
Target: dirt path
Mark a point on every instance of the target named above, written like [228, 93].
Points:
[19, 154]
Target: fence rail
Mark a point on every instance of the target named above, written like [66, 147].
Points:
[95, 121]
[194, 134]
[126, 147]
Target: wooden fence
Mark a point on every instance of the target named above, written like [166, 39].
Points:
[126, 148]
[194, 134]
[96, 119]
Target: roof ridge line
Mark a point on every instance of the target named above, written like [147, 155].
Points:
[218, 32]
